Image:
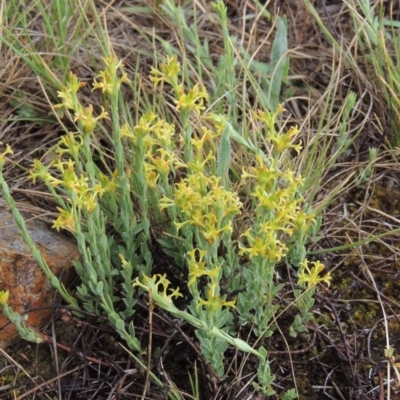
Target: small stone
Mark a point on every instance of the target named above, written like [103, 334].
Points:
[31, 294]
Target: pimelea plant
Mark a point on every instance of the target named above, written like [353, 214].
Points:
[231, 228]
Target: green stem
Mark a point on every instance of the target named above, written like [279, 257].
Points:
[31, 245]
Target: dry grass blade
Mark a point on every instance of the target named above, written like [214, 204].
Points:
[9, 358]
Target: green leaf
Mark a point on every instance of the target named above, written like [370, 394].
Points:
[99, 288]
[224, 153]
[55, 282]
[131, 329]
[120, 324]
[290, 395]
[279, 61]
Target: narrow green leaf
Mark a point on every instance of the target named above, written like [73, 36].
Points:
[278, 61]
[224, 153]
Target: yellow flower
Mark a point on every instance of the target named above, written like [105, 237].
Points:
[73, 83]
[109, 185]
[265, 245]
[164, 133]
[169, 71]
[64, 221]
[72, 143]
[210, 231]
[197, 268]
[165, 202]
[67, 98]
[312, 277]
[68, 93]
[197, 218]
[152, 284]
[303, 221]
[185, 197]
[198, 165]
[87, 120]
[283, 141]
[164, 161]
[180, 225]
[109, 81]
[39, 170]
[4, 295]
[87, 202]
[8, 150]
[214, 301]
[264, 174]
[151, 176]
[104, 85]
[192, 100]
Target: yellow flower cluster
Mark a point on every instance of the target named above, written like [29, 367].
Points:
[76, 186]
[68, 93]
[168, 72]
[108, 78]
[280, 141]
[152, 284]
[276, 207]
[278, 212]
[82, 194]
[197, 269]
[154, 137]
[193, 100]
[311, 277]
[201, 198]
[108, 82]
[205, 204]
[85, 117]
